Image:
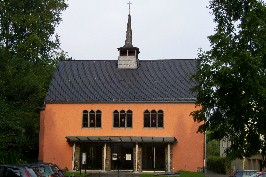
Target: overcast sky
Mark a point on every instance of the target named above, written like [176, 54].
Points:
[162, 29]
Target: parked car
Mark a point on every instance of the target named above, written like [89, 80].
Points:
[48, 169]
[244, 173]
[259, 174]
[17, 171]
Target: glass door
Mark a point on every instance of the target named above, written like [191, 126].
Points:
[122, 156]
[92, 154]
[153, 157]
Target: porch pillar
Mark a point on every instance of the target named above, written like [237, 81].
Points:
[77, 157]
[136, 158]
[104, 157]
[169, 158]
[73, 156]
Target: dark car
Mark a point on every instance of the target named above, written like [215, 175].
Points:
[17, 171]
[48, 169]
[244, 173]
[259, 174]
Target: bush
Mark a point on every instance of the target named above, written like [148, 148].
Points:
[217, 164]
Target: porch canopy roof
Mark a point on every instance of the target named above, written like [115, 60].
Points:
[122, 139]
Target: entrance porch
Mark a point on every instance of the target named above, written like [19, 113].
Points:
[135, 154]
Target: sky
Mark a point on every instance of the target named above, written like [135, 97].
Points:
[161, 29]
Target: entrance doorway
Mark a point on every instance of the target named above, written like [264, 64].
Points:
[93, 153]
[153, 157]
[122, 156]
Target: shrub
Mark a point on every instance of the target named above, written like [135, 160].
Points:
[217, 164]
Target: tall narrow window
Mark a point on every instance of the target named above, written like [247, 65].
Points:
[122, 118]
[147, 122]
[116, 118]
[129, 118]
[153, 118]
[98, 118]
[85, 118]
[92, 119]
[160, 118]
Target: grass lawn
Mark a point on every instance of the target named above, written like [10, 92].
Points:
[75, 174]
[182, 174]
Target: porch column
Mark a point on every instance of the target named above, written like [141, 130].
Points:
[73, 156]
[136, 158]
[104, 157]
[77, 157]
[169, 157]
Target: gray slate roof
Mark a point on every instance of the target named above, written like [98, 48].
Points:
[85, 81]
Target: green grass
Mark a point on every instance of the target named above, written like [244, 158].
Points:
[75, 174]
[191, 174]
[182, 174]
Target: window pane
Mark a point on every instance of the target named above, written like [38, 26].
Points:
[92, 119]
[85, 119]
[116, 119]
[146, 118]
[160, 118]
[122, 119]
[129, 118]
[153, 118]
[98, 118]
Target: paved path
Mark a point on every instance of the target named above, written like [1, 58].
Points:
[213, 174]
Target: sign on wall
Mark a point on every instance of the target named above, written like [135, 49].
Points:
[128, 156]
[84, 158]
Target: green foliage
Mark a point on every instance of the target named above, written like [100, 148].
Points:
[217, 164]
[231, 89]
[29, 50]
[213, 148]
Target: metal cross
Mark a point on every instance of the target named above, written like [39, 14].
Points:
[129, 3]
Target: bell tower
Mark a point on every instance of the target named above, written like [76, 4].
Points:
[128, 54]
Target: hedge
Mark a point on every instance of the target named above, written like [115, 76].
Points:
[217, 164]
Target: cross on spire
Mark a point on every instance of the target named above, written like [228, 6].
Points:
[129, 3]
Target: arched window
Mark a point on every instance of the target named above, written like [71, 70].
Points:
[147, 121]
[116, 119]
[122, 118]
[85, 118]
[129, 118]
[160, 118]
[98, 118]
[153, 118]
[92, 119]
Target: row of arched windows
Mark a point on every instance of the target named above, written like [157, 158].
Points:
[122, 118]
[92, 118]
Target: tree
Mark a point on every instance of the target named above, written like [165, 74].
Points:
[231, 78]
[29, 50]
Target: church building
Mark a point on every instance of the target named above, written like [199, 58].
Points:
[127, 114]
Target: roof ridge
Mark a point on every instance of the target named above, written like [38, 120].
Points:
[140, 60]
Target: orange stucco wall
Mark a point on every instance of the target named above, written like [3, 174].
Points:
[61, 120]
